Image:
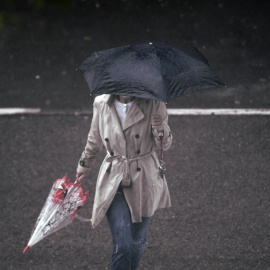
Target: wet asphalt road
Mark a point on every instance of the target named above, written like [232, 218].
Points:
[218, 175]
[218, 166]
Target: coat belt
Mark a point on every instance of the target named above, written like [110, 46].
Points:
[126, 181]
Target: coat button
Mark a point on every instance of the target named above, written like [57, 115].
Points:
[106, 139]
[138, 152]
[137, 136]
[111, 153]
[138, 169]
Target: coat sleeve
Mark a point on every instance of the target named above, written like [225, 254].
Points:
[167, 136]
[93, 145]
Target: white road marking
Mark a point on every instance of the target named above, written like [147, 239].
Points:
[171, 111]
[10, 111]
[218, 111]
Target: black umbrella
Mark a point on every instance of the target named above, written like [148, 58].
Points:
[151, 71]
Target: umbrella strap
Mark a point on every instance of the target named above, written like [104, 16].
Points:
[161, 147]
[83, 219]
[162, 168]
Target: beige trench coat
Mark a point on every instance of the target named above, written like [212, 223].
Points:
[131, 156]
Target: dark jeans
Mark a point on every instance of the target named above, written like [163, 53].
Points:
[128, 238]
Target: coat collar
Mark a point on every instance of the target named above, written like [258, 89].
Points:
[111, 115]
[134, 115]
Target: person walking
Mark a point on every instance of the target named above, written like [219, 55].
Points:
[130, 184]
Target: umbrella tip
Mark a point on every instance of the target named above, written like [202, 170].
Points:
[26, 249]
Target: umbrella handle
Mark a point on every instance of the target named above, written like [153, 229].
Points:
[77, 180]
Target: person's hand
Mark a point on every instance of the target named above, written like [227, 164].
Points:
[157, 122]
[80, 176]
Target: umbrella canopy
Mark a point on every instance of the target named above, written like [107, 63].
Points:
[151, 71]
[59, 210]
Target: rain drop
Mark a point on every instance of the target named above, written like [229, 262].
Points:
[87, 38]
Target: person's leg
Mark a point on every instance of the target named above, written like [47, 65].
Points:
[138, 234]
[119, 219]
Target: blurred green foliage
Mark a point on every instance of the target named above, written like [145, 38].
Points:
[39, 4]
[18, 5]
[10, 10]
